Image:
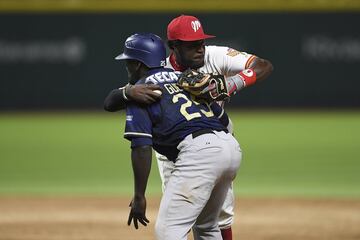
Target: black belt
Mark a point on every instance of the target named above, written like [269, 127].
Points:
[205, 131]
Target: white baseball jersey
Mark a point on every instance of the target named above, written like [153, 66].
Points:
[222, 60]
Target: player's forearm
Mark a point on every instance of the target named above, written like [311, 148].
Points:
[259, 70]
[262, 67]
[141, 164]
[115, 101]
[235, 84]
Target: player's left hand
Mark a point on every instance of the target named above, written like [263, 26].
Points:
[137, 212]
[143, 93]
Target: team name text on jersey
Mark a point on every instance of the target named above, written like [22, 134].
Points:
[162, 77]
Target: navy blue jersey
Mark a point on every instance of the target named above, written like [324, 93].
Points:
[166, 123]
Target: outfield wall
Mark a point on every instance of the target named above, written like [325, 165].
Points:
[66, 59]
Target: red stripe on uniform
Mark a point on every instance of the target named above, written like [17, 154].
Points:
[249, 61]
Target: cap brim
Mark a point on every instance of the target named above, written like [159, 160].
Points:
[205, 36]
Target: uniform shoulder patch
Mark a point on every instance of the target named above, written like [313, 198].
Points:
[232, 52]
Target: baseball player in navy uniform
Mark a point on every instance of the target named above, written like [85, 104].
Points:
[186, 42]
[205, 156]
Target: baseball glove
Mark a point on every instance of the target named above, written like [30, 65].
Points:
[209, 87]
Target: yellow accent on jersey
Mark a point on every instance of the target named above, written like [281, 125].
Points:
[208, 113]
[184, 106]
[232, 52]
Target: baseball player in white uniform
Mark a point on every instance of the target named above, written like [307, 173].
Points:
[186, 41]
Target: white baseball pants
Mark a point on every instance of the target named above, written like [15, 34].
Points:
[197, 187]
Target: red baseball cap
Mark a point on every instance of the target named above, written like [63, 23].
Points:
[186, 28]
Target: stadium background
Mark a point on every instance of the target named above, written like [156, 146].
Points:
[299, 130]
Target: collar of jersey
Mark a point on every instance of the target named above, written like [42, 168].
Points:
[174, 64]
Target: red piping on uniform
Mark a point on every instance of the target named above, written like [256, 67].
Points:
[174, 64]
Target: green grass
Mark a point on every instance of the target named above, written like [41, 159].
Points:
[309, 154]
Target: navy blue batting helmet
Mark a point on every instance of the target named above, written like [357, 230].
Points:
[147, 48]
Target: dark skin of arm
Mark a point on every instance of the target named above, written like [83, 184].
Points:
[262, 67]
[141, 164]
[142, 94]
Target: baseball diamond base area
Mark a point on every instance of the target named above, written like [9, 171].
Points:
[104, 218]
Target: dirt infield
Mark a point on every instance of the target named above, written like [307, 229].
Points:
[105, 219]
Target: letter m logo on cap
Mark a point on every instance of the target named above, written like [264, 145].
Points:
[195, 25]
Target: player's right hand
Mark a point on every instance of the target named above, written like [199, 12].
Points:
[143, 93]
[137, 212]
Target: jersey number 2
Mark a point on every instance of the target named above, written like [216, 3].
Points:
[188, 104]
